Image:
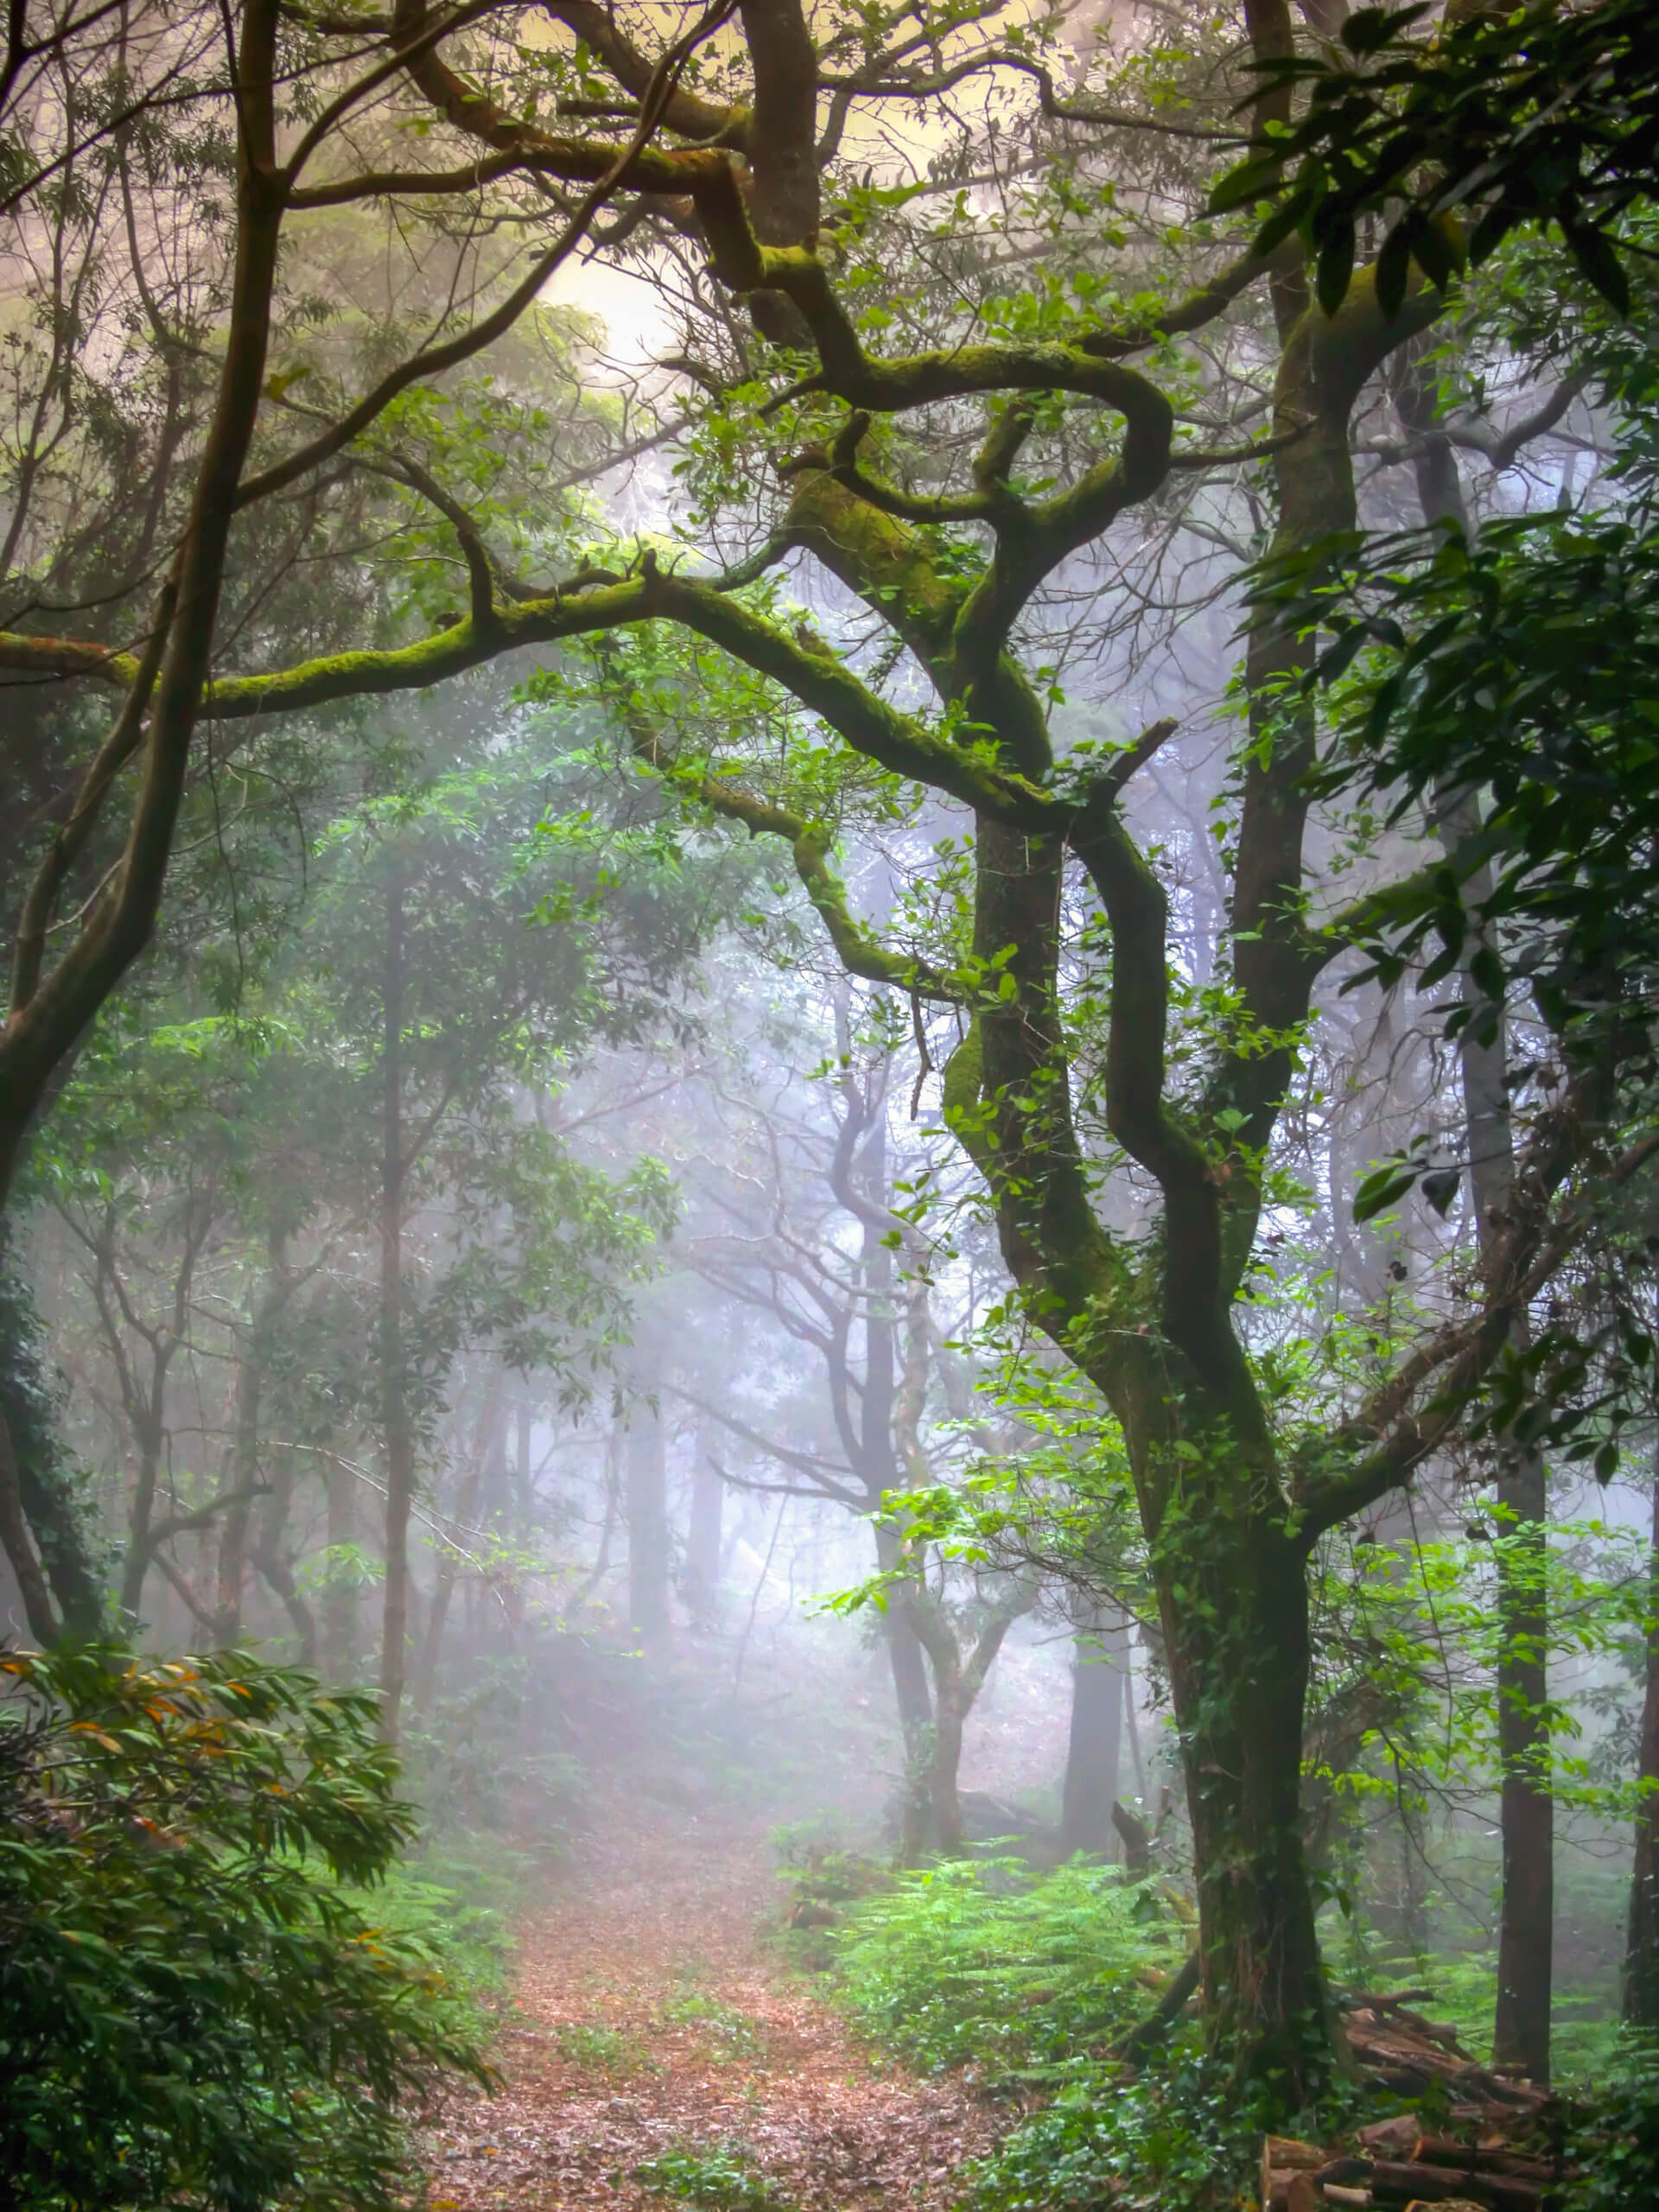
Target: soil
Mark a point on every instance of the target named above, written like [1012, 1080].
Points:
[654, 2012]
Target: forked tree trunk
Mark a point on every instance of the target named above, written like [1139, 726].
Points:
[1096, 1736]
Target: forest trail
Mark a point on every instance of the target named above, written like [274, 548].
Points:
[652, 2019]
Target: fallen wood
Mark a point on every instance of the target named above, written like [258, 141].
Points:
[1479, 2157]
[1141, 2041]
[1382, 2136]
[1282, 2156]
[1409, 2183]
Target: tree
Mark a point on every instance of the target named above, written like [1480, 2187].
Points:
[940, 491]
[467, 944]
[839, 1269]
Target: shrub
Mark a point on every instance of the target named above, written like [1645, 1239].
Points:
[1614, 2135]
[193, 2008]
[977, 1962]
[1179, 2138]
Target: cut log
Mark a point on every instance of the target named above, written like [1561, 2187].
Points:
[1282, 2156]
[1384, 2136]
[1479, 2157]
[1399, 2182]
[1286, 2151]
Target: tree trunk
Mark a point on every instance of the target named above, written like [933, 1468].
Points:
[241, 1471]
[488, 1453]
[274, 1563]
[914, 1701]
[38, 1610]
[703, 1535]
[647, 1509]
[1641, 1991]
[1521, 2028]
[944, 1803]
[140, 1512]
[522, 1505]
[1092, 1758]
[1234, 1606]
[342, 1600]
[43, 1532]
[398, 1433]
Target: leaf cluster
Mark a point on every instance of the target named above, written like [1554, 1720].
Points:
[1548, 114]
[191, 2007]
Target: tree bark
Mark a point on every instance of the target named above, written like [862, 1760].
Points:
[1233, 1601]
[1096, 1739]
[1641, 1981]
[398, 1428]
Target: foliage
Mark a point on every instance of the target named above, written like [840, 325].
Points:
[1179, 2138]
[1525, 661]
[602, 2049]
[973, 1962]
[722, 2176]
[1615, 2134]
[730, 2034]
[195, 2008]
[1542, 113]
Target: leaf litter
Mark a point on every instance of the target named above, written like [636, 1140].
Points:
[653, 2026]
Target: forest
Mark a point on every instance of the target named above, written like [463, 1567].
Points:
[828, 1105]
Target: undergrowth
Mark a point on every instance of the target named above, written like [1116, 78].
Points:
[1615, 2133]
[603, 2050]
[721, 2177]
[974, 1963]
[1025, 1982]
[728, 2033]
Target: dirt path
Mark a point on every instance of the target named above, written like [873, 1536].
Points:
[652, 2020]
